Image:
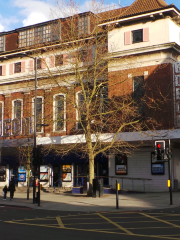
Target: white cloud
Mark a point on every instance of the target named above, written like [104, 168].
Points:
[34, 11]
[34, 17]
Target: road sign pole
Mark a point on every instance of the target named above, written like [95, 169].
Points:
[117, 199]
[169, 170]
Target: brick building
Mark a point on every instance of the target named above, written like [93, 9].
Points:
[140, 45]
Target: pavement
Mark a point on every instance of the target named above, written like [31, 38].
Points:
[82, 203]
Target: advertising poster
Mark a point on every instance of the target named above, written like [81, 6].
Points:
[43, 176]
[22, 177]
[66, 176]
[120, 164]
[2, 174]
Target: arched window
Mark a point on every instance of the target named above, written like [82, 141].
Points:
[39, 113]
[59, 112]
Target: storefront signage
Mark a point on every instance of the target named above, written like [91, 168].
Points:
[15, 127]
[120, 164]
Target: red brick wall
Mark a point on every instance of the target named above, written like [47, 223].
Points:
[158, 91]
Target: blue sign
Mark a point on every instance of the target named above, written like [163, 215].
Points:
[22, 177]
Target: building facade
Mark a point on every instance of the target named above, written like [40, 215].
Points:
[137, 56]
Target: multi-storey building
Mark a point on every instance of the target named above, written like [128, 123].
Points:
[140, 45]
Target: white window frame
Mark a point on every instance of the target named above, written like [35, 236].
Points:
[13, 112]
[77, 115]
[42, 128]
[54, 112]
[2, 117]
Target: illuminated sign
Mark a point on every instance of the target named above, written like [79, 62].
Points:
[15, 127]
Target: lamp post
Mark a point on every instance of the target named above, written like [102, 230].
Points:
[34, 142]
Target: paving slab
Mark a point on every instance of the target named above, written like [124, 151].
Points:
[69, 202]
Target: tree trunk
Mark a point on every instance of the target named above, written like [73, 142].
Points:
[91, 173]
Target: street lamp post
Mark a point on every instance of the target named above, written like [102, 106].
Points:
[35, 124]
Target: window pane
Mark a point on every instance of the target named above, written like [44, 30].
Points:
[58, 60]
[137, 36]
[103, 99]
[38, 64]
[81, 107]
[2, 43]
[39, 115]
[1, 111]
[17, 67]
[83, 25]
[17, 109]
[59, 112]
[55, 31]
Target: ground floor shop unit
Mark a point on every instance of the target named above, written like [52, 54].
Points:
[137, 171]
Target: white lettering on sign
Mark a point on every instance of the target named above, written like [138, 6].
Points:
[15, 127]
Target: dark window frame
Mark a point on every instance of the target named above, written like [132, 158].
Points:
[59, 60]
[137, 36]
[17, 67]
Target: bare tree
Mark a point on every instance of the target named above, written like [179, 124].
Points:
[90, 103]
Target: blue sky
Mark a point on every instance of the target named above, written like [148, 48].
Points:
[20, 13]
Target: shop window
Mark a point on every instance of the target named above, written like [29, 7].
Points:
[59, 113]
[17, 67]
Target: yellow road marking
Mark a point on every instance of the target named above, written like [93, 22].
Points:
[60, 222]
[117, 225]
[160, 220]
[92, 230]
